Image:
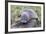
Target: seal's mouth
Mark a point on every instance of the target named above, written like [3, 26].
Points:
[23, 21]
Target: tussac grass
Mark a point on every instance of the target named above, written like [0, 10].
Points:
[15, 12]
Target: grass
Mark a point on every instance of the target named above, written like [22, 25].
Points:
[15, 12]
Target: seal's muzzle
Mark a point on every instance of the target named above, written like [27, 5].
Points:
[24, 18]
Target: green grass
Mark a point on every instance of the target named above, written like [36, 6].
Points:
[15, 11]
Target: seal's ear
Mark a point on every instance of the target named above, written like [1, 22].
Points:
[19, 16]
[36, 18]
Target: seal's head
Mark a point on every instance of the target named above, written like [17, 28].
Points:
[24, 17]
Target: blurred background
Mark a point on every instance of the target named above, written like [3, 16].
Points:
[16, 10]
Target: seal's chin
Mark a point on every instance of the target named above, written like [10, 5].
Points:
[23, 21]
